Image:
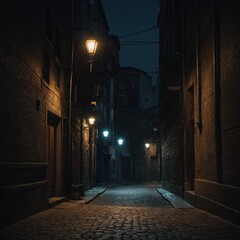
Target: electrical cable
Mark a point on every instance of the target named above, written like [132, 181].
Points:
[137, 43]
[142, 31]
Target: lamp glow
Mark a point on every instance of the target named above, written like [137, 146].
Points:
[91, 120]
[105, 133]
[91, 45]
[120, 141]
[147, 145]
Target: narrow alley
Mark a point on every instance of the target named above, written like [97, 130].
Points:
[122, 212]
[119, 119]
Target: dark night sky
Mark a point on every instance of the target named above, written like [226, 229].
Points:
[130, 16]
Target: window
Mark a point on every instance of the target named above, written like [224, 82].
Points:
[48, 25]
[58, 75]
[58, 42]
[46, 65]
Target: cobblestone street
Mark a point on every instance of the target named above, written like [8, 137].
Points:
[132, 195]
[107, 217]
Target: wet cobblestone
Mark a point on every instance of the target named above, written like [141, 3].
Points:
[70, 220]
[110, 222]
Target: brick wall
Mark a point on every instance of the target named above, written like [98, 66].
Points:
[210, 120]
[230, 87]
[216, 115]
[26, 101]
[170, 96]
[171, 157]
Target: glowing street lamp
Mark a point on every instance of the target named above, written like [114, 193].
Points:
[147, 145]
[91, 45]
[120, 141]
[105, 133]
[91, 120]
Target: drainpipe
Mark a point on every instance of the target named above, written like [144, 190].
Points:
[198, 74]
[69, 172]
[70, 126]
[184, 174]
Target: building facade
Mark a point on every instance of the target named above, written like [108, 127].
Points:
[88, 74]
[133, 104]
[33, 93]
[47, 147]
[199, 55]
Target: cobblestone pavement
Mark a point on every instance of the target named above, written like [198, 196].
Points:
[136, 195]
[74, 220]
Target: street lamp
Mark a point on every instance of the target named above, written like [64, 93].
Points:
[91, 120]
[91, 45]
[105, 133]
[147, 145]
[120, 141]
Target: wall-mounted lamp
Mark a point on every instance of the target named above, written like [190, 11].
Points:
[91, 120]
[91, 44]
[120, 141]
[147, 145]
[105, 133]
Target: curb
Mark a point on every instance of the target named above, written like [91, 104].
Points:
[94, 197]
[174, 200]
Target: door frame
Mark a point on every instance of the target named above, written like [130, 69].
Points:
[55, 121]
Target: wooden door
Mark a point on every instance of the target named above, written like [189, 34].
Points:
[51, 160]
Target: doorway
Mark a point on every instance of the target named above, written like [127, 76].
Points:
[51, 160]
[54, 156]
[153, 169]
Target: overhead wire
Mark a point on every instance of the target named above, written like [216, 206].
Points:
[138, 42]
[139, 32]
